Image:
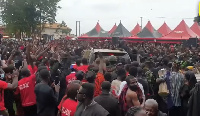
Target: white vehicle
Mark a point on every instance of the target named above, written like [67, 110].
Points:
[91, 55]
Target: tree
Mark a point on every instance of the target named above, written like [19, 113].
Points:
[24, 16]
[197, 19]
[64, 28]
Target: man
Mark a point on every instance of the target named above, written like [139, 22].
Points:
[107, 101]
[115, 85]
[71, 77]
[3, 86]
[26, 90]
[45, 98]
[111, 68]
[67, 106]
[151, 107]
[99, 77]
[87, 106]
[9, 94]
[84, 67]
[134, 93]
[143, 81]
[136, 111]
[131, 95]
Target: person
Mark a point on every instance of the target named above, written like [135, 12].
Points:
[99, 77]
[193, 104]
[115, 85]
[84, 67]
[135, 111]
[130, 95]
[3, 86]
[107, 101]
[87, 106]
[78, 64]
[190, 81]
[151, 107]
[176, 82]
[26, 90]
[141, 79]
[111, 68]
[67, 106]
[46, 100]
[9, 97]
[71, 76]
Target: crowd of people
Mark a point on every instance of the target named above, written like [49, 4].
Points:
[52, 78]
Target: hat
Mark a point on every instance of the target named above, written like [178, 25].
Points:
[112, 58]
[190, 67]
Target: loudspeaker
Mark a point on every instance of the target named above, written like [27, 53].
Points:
[192, 42]
[115, 40]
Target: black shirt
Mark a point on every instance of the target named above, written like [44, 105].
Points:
[108, 102]
[94, 109]
[145, 85]
[46, 100]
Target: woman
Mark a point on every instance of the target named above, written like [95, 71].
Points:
[67, 106]
[190, 81]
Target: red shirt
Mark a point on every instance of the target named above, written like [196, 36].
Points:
[32, 70]
[83, 68]
[71, 77]
[76, 67]
[68, 107]
[3, 85]
[26, 88]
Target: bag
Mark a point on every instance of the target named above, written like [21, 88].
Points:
[163, 90]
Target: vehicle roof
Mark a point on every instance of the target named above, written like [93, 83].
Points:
[109, 50]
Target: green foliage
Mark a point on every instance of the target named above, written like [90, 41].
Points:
[65, 30]
[24, 16]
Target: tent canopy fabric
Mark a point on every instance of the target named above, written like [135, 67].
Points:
[164, 29]
[196, 28]
[182, 31]
[149, 32]
[136, 30]
[113, 29]
[121, 31]
[97, 31]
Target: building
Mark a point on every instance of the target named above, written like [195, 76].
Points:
[55, 31]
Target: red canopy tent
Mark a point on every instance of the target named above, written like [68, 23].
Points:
[196, 28]
[164, 29]
[136, 30]
[113, 29]
[181, 32]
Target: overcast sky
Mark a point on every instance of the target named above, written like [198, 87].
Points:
[109, 12]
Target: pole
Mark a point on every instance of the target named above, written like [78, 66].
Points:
[141, 22]
[79, 28]
[76, 28]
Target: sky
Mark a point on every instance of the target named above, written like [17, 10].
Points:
[109, 12]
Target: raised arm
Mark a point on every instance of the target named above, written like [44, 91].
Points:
[43, 52]
[28, 55]
[14, 84]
